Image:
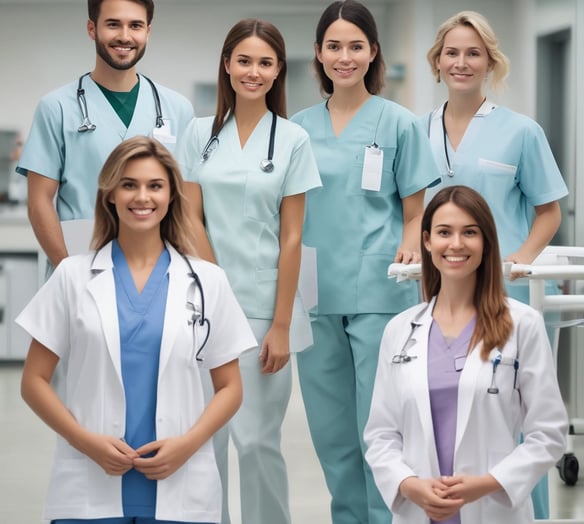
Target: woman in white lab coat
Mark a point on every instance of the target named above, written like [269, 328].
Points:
[459, 378]
[135, 319]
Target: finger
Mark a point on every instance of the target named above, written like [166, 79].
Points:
[150, 447]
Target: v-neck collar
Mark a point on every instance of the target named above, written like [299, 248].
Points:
[139, 301]
[351, 123]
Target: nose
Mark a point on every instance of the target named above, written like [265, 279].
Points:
[456, 241]
[461, 60]
[142, 194]
[344, 54]
[253, 71]
[124, 33]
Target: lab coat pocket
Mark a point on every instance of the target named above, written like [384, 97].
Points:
[355, 177]
[202, 480]
[69, 483]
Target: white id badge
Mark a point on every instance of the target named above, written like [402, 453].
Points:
[163, 134]
[372, 168]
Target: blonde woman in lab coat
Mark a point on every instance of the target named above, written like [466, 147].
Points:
[129, 318]
[459, 378]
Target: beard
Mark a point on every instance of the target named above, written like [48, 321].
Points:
[102, 51]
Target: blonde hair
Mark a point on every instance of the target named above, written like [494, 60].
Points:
[498, 61]
[175, 227]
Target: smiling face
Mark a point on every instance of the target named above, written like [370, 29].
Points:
[455, 242]
[252, 68]
[345, 54]
[141, 197]
[120, 34]
[464, 61]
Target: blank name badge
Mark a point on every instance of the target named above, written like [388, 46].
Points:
[372, 168]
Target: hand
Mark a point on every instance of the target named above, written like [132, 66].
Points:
[426, 493]
[516, 258]
[168, 456]
[468, 487]
[275, 352]
[407, 256]
[111, 453]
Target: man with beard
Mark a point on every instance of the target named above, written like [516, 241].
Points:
[76, 127]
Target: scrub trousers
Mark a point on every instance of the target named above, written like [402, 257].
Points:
[256, 433]
[336, 378]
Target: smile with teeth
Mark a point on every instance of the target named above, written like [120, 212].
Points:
[142, 212]
[455, 258]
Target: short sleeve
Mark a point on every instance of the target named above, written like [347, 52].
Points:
[303, 172]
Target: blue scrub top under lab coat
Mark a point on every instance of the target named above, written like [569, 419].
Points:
[356, 232]
[55, 149]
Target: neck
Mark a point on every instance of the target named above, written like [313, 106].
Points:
[464, 107]
[140, 250]
[455, 298]
[348, 100]
[114, 79]
[250, 112]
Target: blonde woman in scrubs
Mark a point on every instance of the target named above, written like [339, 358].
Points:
[134, 430]
[504, 155]
[375, 162]
[249, 219]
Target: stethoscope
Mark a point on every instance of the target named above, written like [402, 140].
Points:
[198, 317]
[402, 357]
[266, 165]
[493, 389]
[87, 125]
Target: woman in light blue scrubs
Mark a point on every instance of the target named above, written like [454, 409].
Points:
[135, 320]
[375, 162]
[249, 170]
[503, 155]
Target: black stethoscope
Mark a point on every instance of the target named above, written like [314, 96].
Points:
[198, 317]
[266, 165]
[402, 357]
[87, 125]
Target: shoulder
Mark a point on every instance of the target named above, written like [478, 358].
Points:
[171, 95]
[306, 115]
[60, 95]
[518, 121]
[405, 317]
[392, 110]
[292, 129]
[521, 312]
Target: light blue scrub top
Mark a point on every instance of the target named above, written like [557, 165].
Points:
[356, 232]
[141, 321]
[242, 202]
[56, 149]
[506, 157]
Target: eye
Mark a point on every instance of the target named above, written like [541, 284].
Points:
[267, 63]
[443, 232]
[127, 184]
[332, 47]
[242, 61]
[357, 47]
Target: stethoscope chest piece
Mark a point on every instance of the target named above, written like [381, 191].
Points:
[266, 165]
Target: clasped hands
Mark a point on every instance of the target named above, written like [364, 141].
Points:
[442, 497]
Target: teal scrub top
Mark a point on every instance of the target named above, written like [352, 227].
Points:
[55, 149]
[356, 232]
[242, 202]
[504, 156]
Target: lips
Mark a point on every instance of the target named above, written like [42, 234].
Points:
[458, 258]
[142, 212]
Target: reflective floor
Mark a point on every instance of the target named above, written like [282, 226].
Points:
[26, 447]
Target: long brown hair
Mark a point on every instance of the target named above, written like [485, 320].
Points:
[175, 226]
[276, 97]
[493, 322]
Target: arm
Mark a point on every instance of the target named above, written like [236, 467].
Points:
[43, 216]
[172, 453]
[545, 225]
[275, 351]
[111, 453]
[196, 213]
[413, 209]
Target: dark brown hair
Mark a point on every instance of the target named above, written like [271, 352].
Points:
[94, 8]
[357, 14]
[493, 323]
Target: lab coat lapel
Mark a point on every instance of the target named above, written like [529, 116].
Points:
[102, 289]
[419, 378]
[468, 378]
[178, 283]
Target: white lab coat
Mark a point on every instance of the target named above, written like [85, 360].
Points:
[75, 316]
[399, 433]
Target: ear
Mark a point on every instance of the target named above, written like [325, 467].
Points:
[226, 64]
[148, 32]
[91, 29]
[279, 68]
[317, 52]
[374, 51]
[426, 238]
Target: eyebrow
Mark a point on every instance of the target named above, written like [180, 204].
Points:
[130, 179]
[333, 41]
[243, 55]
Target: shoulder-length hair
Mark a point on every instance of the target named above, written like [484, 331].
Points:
[497, 59]
[94, 8]
[493, 322]
[175, 227]
[356, 13]
[276, 97]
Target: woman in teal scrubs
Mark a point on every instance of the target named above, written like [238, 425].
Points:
[249, 170]
[375, 161]
[503, 155]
